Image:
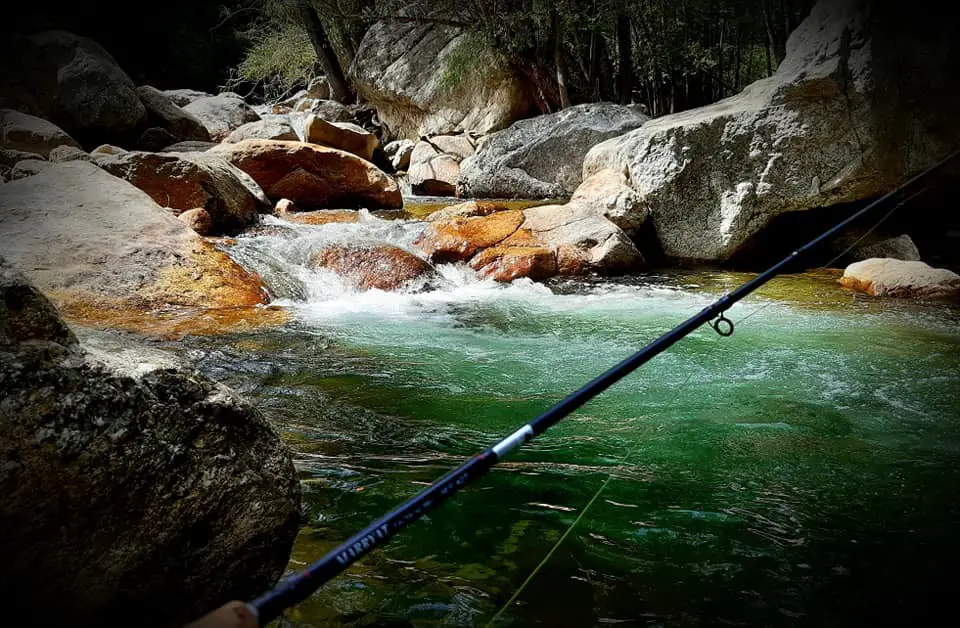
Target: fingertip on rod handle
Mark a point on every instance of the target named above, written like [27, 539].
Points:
[231, 615]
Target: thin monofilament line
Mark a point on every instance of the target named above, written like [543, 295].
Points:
[624, 460]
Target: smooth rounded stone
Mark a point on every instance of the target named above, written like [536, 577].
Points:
[27, 168]
[399, 68]
[860, 103]
[10, 157]
[30, 134]
[608, 193]
[189, 147]
[99, 248]
[163, 112]
[900, 247]
[285, 206]
[155, 139]
[199, 220]
[272, 128]
[897, 278]
[435, 165]
[68, 153]
[313, 177]
[183, 97]
[72, 82]
[506, 263]
[184, 181]
[341, 135]
[542, 157]
[458, 239]
[125, 467]
[222, 114]
[381, 267]
[107, 149]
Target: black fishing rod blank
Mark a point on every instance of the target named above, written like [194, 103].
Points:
[299, 587]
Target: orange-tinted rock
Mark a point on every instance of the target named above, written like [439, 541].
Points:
[313, 177]
[467, 210]
[381, 267]
[324, 217]
[198, 219]
[506, 263]
[341, 135]
[459, 239]
[183, 181]
[898, 278]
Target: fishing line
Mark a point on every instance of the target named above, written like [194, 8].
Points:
[629, 454]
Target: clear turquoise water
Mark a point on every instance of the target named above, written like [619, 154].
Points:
[801, 472]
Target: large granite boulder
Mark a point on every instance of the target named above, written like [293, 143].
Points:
[542, 157]
[426, 78]
[341, 135]
[128, 482]
[862, 101]
[164, 113]
[221, 114]
[101, 248]
[30, 134]
[186, 181]
[272, 127]
[313, 177]
[434, 168]
[74, 83]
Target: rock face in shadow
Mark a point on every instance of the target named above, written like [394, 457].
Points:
[74, 83]
[131, 487]
[862, 101]
[408, 71]
[542, 157]
[30, 134]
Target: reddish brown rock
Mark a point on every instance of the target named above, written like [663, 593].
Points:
[381, 267]
[459, 239]
[506, 263]
[198, 219]
[313, 177]
[323, 217]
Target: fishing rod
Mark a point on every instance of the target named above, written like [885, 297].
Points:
[300, 586]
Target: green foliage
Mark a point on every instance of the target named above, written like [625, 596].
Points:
[472, 58]
[279, 59]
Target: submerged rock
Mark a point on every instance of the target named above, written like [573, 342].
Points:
[381, 267]
[128, 482]
[542, 157]
[313, 177]
[860, 103]
[897, 278]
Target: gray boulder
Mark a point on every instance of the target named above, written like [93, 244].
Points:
[861, 102]
[74, 83]
[542, 157]
[183, 97]
[128, 481]
[164, 113]
[23, 132]
[431, 79]
[222, 114]
[272, 127]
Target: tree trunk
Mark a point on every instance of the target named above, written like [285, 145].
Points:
[558, 59]
[625, 54]
[339, 88]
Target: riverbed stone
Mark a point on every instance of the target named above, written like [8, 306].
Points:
[129, 482]
[313, 177]
[381, 267]
[23, 132]
[221, 114]
[542, 157]
[506, 263]
[186, 181]
[341, 135]
[163, 112]
[103, 250]
[458, 239]
[897, 278]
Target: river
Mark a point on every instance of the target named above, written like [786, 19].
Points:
[802, 472]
